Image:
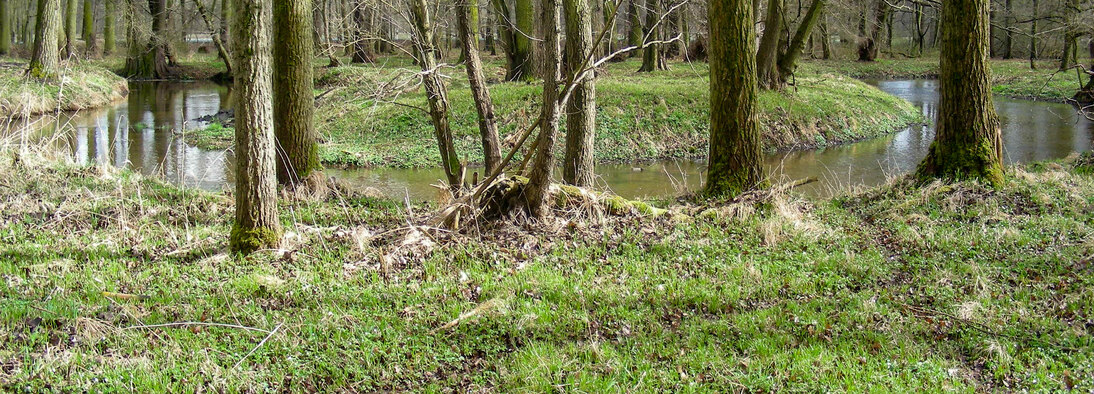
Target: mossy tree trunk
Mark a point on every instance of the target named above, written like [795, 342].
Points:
[109, 34]
[537, 194]
[651, 55]
[577, 164]
[89, 28]
[225, 18]
[1033, 38]
[826, 44]
[506, 33]
[436, 92]
[522, 68]
[362, 33]
[256, 224]
[43, 59]
[868, 45]
[293, 101]
[609, 24]
[472, 26]
[967, 142]
[788, 61]
[484, 105]
[767, 56]
[736, 161]
[70, 28]
[634, 26]
[5, 27]
[147, 57]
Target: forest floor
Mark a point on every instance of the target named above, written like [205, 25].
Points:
[1010, 78]
[81, 86]
[372, 115]
[897, 288]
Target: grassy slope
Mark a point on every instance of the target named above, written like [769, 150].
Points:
[900, 288]
[1011, 78]
[663, 115]
[78, 86]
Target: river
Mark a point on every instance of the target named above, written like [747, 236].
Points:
[143, 133]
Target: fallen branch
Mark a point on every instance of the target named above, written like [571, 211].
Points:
[259, 345]
[194, 323]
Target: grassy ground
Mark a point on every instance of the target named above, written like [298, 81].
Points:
[77, 86]
[900, 288]
[195, 66]
[664, 115]
[1011, 78]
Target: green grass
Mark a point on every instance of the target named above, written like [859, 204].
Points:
[1010, 78]
[663, 115]
[900, 288]
[76, 86]
[211, 137]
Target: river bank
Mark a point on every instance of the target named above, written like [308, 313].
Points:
[1010, 78]
[899, 288]
[78, 86]
[369, 115]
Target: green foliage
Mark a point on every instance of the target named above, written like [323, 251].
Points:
[211, 137]
[26, 92]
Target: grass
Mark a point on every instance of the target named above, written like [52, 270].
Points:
[1010, 78]
[77, 86]
[899, 288]
[663, 115]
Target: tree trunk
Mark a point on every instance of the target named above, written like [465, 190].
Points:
[222, 50]
[109, 36]
[43, 60]
[651, 55]
[1008, 35]
[507, 34]
[634, 34]
[920, 28]
[767, 56]
[867, 51]
[225, 16]
[362, 33]
[1033, 38]
[70, 28]
[577, 164]
[609, 19]
[293, 101]
[967, 143]
[147, 50]
[736, 159]
[436, 93]
[539, 177]
[484, 105]
[256, 224]
[788, 62]
[473, 28]
[5, 27]
[488, 31]
[89, 28]
[826, 40]
[522, 69]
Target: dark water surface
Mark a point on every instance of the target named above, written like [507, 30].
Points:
[142, 133]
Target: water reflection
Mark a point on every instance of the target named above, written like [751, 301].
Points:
[143, 133]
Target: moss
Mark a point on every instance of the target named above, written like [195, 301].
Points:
[246, 241]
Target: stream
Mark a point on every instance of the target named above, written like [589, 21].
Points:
[143, 134]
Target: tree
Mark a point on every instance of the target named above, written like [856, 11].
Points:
[768, 53]
[522, 69]
[222, 49]
[634, 25]
[43, 60]
[867, 51]
[89, 27]
[362, 31]
[539, 177]
[293, 101]
[789, 60]
[109, 37]
[5, 27]
[967, 143]
[484, 105]
[256, 225]
[736, 161]
[577, 164]
[651, 55]
[147, 58]
[70, 27]
[436, 92]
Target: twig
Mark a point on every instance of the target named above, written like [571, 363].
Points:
[263, 342]
[194, 323]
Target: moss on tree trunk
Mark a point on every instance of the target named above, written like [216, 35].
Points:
[293, 101]
[43, 60]
[967, 142]
[577, 164]
[736, 161]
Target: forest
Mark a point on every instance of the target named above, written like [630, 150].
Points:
[546, 196]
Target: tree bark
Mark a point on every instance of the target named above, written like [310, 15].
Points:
[634, 22]
[788, 62]
[537, 193]
[484, 105]
[1008, 35]
[436, 93]
[70, 28]
[736, 161]
[147, 50]
[43, 60]
[967, 143]
[522, 67]
[1033, 38]
[867, 51]
[256, 224]
[767, 56]
[5, 27]
[362, 33]
[577, 164]
[89, 28]
[109, 36]
[651, 55]
[293, 101]
[826, 40]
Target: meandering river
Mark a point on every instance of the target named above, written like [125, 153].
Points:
[143, 133]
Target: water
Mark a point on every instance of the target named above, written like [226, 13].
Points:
[143, 133]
